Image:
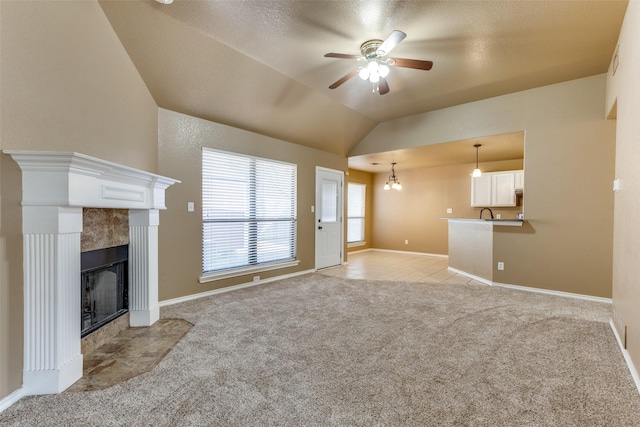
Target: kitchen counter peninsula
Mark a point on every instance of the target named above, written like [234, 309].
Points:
[471, 245]
[509, 222]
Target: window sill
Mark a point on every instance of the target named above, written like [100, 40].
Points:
[210, 277]
[356, 244]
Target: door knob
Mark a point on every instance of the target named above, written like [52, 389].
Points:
[319, 227]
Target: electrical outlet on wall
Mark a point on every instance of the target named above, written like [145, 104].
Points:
[500, 265]
[449, 210]
[406, 242]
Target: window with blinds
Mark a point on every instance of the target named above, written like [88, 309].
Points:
[248, 211]
[355, 212]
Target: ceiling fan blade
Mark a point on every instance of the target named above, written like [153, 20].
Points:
[383, 86]
[413, 63]
[341, 55]
[344, 79]
[390, 42]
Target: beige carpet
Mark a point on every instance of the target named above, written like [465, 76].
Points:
[317, 350]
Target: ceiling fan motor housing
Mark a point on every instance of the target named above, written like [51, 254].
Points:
[369, 49]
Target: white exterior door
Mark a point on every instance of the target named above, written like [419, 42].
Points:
[329, 212]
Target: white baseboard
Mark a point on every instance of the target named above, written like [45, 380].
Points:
[12, 398]
[530, 289]
[403, 252]
[627, 357]
[556, 293]
[231, 288]
[471, 276]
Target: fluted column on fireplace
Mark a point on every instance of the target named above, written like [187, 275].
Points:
[52, 358]
[143, 270]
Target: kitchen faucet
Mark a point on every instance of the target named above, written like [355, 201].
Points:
[490, 211]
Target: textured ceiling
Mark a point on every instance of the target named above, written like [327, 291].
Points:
[259, 64]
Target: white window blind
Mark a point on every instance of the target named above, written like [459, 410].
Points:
[248, 211]
[355, 212]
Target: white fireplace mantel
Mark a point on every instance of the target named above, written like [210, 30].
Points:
[53, 178]
[55, 188]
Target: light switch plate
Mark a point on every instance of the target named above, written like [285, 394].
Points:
[190, 206]
[616, 185]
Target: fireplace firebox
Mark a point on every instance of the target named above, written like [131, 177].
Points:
[104, 286]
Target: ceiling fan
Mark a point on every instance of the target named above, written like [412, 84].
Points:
[376, 68]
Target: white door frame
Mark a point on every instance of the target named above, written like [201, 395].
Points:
[340, 214]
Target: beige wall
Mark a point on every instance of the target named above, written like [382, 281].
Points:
[473, 247]
[181, 138]
[413, 213]
[624, 88]
[366, 178]
[569, 160]
[67, 84]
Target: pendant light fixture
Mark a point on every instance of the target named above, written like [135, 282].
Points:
[393, 181]
[476, 172]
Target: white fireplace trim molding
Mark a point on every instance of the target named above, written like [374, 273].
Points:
[55, 188]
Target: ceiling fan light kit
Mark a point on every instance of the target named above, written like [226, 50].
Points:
[377, 68]
[374, 71]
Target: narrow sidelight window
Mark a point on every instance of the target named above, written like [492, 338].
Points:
[355, 212]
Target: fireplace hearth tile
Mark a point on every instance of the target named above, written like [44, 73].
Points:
[104, 335]
[132, 352]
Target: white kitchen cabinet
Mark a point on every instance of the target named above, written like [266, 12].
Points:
[496, 188]
[503, 189]
[481, 190]
[519, 180]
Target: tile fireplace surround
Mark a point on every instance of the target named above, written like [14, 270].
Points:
[55, 188]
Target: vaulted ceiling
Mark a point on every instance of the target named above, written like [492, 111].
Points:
[259, 65]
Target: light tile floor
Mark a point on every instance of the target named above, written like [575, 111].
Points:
[382, 265]
[407, 267]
